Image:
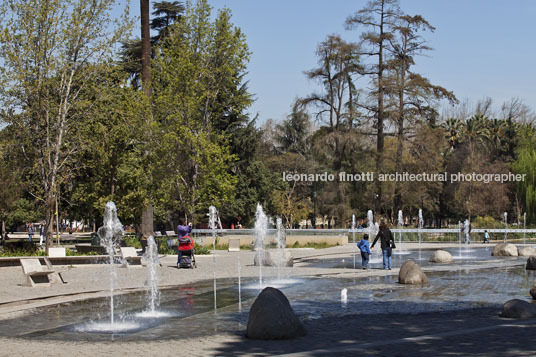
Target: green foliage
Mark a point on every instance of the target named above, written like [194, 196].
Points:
[525, 164]
[321, 245]
[22, 253]
[202, 250]
[487, 222]
[132, 241]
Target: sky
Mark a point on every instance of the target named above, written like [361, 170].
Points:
[482, 48]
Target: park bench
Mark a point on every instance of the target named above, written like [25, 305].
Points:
[130, 256]
[234, 245]
[36, 274]
[171, 234]
[157, 234]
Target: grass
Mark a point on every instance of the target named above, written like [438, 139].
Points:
[320, 245]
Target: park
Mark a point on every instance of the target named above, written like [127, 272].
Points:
[298, 178]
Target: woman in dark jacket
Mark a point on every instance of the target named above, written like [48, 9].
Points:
[387, 243]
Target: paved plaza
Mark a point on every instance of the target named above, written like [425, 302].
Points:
[460, 329]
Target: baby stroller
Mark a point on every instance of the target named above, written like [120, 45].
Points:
[187, 253]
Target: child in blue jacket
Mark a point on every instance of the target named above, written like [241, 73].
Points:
[364, 246]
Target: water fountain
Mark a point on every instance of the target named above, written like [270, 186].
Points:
[151, 257]
[353, 236]
[281, 243]
[110, 235]
[261, 226]
[400, 224]
[421, 224]
[373, 229]
[505, 227]
[524, 228]
[212, 222]
[239, 288]
[344, 297]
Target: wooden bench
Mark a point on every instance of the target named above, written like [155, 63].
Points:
[36, 274]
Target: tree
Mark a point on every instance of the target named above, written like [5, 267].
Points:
[49, 51]
[380, 16]
[412, 94]
[198, 71]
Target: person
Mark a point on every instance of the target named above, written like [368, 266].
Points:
[41, 233]
[30, 231]
[486, 236]
[387, 244]
[186, 244]
[363, 245]
[183, 230]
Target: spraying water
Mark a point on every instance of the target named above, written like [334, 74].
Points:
[110, 234]
[239, 288]
[261, 226]
[353, 236]
[151, 256]
[344, 296]
[281, 243]
[505, 226]
[373, 230]
[524, 228]
[212, 222]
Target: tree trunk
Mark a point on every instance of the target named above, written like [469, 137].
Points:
[145, 48]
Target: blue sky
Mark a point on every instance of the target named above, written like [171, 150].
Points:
[482, 48]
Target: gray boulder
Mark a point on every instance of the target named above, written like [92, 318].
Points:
[272, 258]
[441, 256]
[504, 250]
[411, 273]
[266, 259]
[285, 260]
[526, 251]
[271, 318]
[531, 263]
[533, 292]
[518, 309]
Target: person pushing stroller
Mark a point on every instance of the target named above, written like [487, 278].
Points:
[185, 249]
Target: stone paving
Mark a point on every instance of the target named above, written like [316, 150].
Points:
[474, 331]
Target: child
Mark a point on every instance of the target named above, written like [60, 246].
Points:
[486, 237]
[363, 245]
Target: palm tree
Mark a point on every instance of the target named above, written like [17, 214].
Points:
[453, 127]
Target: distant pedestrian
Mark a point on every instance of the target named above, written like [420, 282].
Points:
[41, 233]
[30, 231]
[387, 243]
[486, 236]
[364, 247]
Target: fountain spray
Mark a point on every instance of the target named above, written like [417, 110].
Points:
[212, 222]
[111, 233]
[261, 226]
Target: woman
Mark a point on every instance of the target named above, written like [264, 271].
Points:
[387, 244]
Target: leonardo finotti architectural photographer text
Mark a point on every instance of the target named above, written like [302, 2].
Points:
[404, 177]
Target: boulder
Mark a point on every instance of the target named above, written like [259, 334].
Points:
[531, 263]
[504, 250]
[285, 260]
[533, 292]
[266, 259]
[526, 251]
[411, 273]
[271, 259]
[271, 318]
[518, 309]
[441, 256]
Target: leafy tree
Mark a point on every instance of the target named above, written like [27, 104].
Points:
[49, 51]
[198, 71]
